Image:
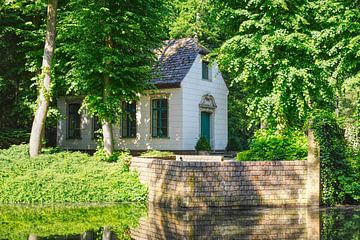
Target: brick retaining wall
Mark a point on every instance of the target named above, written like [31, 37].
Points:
[224, 184]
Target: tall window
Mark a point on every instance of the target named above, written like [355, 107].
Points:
[74, 121]
[96, 125]
[129, 120]
[205, 70]
[159, 117]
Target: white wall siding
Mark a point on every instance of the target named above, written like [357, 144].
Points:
[86, 142]
[193, 89]
[143, 139]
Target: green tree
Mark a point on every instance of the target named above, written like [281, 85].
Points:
[274, 54]
[295, 58]
[38, 127]
[21, 39]
[195, 18]
[338, 40]
[106, 53]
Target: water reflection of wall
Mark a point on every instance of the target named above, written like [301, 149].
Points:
[227, 223]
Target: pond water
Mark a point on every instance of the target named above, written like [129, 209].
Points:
[138, 222]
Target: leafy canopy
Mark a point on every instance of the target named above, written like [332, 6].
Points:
[106, 51]
[274, 55]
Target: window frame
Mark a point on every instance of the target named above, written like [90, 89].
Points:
[207, 64]
[126, 117]
[160, 110]
[68, 124]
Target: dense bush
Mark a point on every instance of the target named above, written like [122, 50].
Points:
[340, 178]
[58, 177]
[48, 221]
[10, 137]
[203, 144]
[271, 145]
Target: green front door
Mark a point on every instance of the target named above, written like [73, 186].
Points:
[205, 125]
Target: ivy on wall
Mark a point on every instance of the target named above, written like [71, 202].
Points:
[339, 174]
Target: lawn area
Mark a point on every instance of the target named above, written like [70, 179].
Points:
[65, 177]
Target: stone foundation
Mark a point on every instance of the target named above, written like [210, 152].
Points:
[223, 183]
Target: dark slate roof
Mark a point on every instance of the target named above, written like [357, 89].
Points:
[175, 60]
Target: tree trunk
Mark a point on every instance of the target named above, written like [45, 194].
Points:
[313, 170]
[44, 88]
[33, 237]
[106, 233]
[108, 138]
[106, 125]
[88, 235]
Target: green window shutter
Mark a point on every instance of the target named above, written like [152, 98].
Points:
[128, 123]
[159, 121]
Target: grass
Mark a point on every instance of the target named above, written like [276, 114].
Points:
[157, 154]
[65, 177]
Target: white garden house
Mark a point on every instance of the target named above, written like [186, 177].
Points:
[191, 101]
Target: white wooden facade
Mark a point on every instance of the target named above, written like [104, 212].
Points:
[184, 111]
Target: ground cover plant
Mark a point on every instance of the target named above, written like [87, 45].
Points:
[65, 177]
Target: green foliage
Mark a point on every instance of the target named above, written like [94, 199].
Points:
[124, 156]
[10, 137]
[59, 177]
[246, 155]
[21, 44]
[339, 175]
[105, 51]
[238, 120]
[272, 145]
[203, 144]
[156, 153]
[340, 223]
[191, 18]
[274, 55]
[17, 222]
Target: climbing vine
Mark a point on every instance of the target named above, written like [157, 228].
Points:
[339, 178]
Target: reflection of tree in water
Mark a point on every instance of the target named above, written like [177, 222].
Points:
[68, 222]
[115, 222]
[340, 223]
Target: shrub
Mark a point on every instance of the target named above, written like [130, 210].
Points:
[65, 177]
[157, 154]
[246, 155]
[271, 145]
[203, 144]
[12, 136]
